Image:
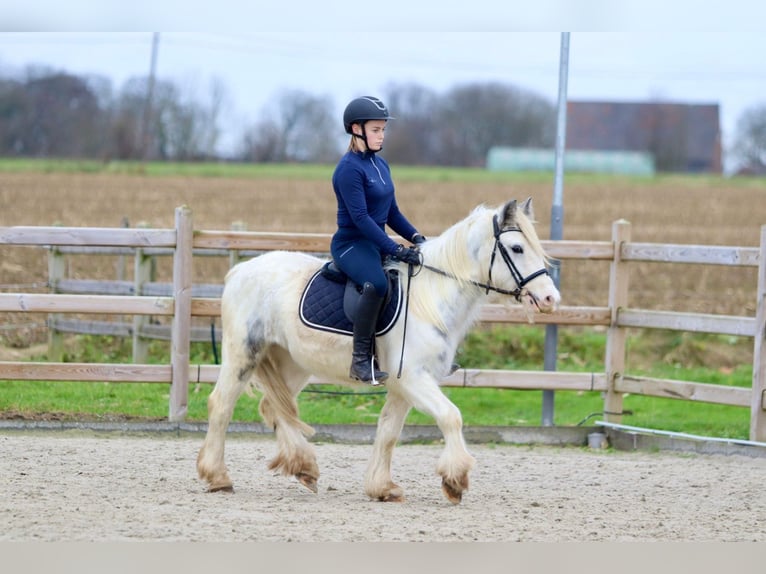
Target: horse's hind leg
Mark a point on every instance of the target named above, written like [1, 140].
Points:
[220, 406]
[378, 484]
[281, 381]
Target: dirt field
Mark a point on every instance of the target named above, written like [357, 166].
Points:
[83, 487]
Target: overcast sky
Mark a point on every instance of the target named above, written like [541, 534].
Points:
[332, 52]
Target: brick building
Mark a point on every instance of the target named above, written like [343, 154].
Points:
[681, 137]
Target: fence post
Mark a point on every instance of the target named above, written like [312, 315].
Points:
[181, 330]
[758, 403]
[142, 273]
[120, 264]
[616, 335]
[234, 253]
[56, 271]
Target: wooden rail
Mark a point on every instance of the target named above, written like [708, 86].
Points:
[180, 300]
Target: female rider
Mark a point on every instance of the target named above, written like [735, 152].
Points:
[366, 204]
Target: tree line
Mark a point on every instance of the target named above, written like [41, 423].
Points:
[58, 114]
[49, 113]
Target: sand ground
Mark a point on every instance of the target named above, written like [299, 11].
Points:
[75, 486]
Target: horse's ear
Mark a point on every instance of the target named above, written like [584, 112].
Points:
[508, 214]
[526, 207]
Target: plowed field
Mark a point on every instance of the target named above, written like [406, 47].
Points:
[666, 210]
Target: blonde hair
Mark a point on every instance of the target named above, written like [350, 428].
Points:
[354, 145]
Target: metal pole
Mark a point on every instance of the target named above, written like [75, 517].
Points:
[145, 131]
[557, 219]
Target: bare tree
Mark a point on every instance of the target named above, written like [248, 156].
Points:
[126, 120]
[413, 137]
[296, 126]
[49, 114]
[218, 97]
[476, 117]
[176, 131]
[750, 140]
[263, 143]
[56, 114]
[13, 117]
[461, 126]
[180, 128]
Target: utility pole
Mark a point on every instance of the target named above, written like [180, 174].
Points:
[145, 131]
[557, 220]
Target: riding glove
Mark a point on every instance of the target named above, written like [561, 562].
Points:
[408, 255]
[417, 239]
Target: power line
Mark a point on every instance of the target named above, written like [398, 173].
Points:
[301, 46]
[72, 38]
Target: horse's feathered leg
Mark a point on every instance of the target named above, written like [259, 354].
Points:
[243, 348]
[281, 380]
[378, 483]
[455, 462]
[220, 406]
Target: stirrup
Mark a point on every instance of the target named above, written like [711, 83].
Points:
[382, 375]
[374, 380]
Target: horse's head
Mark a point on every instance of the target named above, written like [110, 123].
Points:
[518, 263]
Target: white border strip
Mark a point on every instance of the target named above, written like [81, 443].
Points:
[680, 434]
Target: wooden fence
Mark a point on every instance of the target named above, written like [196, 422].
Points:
[181, 301]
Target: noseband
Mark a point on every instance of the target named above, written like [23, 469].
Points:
[520, 280]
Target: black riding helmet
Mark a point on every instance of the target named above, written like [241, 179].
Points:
[361, 110]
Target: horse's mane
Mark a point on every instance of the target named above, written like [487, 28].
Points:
[453, 253]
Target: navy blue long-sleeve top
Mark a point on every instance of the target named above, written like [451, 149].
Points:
[366, 203]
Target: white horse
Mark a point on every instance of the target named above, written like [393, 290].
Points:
[266, 345]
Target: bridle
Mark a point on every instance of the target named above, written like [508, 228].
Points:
[520, 280]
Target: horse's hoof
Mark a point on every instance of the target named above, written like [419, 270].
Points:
[394, 493]
[391, 498]
[453, 495]
[222, 488]
[308, 481]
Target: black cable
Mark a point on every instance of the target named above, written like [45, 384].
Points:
[590, 416]
[318, 392]
[212, 340]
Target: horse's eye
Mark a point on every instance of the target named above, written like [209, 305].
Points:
[517, 249]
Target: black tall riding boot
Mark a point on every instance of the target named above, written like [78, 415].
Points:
[363, 365]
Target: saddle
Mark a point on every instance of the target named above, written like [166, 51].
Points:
[330, 299]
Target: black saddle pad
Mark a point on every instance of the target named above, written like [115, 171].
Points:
[321, 306]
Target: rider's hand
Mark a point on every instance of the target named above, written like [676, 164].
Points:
[407, 255]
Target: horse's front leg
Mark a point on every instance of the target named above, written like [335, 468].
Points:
[378, 484]
[455, 462]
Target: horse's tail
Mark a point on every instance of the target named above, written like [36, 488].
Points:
[277, 401]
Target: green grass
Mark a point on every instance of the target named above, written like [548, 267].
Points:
[323, 172]
[520, 348]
